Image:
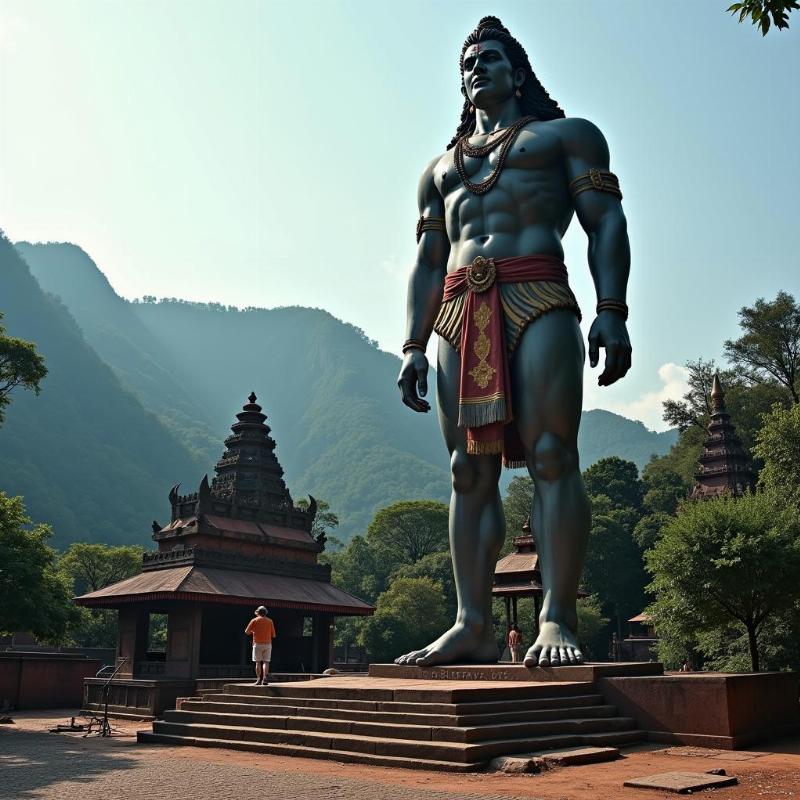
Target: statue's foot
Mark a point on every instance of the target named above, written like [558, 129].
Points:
[458, 645]
[555, 646]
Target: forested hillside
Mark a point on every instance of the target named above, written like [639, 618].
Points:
[89, 459]
[342, 433]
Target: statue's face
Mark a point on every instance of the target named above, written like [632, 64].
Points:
[488, 74]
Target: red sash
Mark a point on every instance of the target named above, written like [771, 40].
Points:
[484, 402]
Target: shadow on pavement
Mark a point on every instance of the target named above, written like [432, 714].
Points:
[32, 761]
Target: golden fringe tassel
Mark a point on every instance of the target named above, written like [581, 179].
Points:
[484, 448]
[514, 464]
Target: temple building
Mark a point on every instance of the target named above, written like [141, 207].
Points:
[518, 575]
[724, 467]
[229, 547]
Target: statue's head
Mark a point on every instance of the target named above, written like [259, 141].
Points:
[494, 67]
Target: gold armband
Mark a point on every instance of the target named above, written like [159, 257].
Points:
[429, 224]
[597, 180]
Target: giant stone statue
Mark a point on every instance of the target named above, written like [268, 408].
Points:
[489, 278]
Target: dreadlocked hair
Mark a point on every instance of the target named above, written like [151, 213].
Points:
[535, 100]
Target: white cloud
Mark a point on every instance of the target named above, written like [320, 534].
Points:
[648, 407]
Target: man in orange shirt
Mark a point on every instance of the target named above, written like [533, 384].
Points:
[262, 630]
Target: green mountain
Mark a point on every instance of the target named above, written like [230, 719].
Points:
[89, 459]
[342, 433]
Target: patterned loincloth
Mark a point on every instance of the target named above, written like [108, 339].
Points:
[485, 309]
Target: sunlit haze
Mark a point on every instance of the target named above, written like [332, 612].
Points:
[267, 154]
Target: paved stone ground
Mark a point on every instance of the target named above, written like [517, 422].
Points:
[35, 764]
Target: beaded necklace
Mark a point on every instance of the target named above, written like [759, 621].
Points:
[505, 141]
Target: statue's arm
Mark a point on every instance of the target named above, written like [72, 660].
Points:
[425, 287]
[601, 216]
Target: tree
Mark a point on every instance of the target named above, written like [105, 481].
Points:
[34, 596]
[769, 349]
[410, 613]
[592, 628]
[20, 365]
[663, 490]
[91, 567]
[763, 13]
[613, 570]
[324, 520]
[405, 532]
[726, 563]
[778, 446]
[356, 570]
[618, 480]
[439, 568]
[94, 566]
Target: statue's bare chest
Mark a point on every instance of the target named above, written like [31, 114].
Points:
[532, 157]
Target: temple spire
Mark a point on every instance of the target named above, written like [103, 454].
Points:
[724, 466]
[249, 479]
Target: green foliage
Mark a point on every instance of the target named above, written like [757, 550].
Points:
[439, 568]
[409, 615]
[357, 570]
[34, 596]
[614, 570]
[778, 446]
[592, 629]
[405, 532]
[763, 13]
[90, 567]
[768, 351]
[20, 365]
[663, 490]
[724, 564]
[94, 566]
[618, 480]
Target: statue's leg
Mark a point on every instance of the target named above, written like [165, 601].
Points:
[477, 530]
[547, 376]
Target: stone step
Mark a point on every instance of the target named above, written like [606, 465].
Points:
[457, 709]
[346, 756]
[461, 752]
[384, 690]
[401, 718]
[420, 732]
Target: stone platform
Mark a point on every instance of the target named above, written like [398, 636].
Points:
[461, 717]
[458, 719]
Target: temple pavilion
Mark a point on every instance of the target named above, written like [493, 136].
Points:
[518, 575]
[724, 467]
[229, 547]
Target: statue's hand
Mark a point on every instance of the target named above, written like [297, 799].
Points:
[414, 375]
[609, 331]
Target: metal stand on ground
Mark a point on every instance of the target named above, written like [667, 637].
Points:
[100, 726]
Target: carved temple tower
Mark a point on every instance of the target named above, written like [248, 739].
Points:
[235, 544]
[724, 467]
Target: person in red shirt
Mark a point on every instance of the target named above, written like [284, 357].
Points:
[262, 629]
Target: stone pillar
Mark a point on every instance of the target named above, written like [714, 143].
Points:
[132, 635]
[183, 641]
[321, 642]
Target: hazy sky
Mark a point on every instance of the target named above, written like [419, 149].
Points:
[267, 153]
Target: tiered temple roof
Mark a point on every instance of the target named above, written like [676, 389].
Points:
[518, 573]
[238, 540]
[724, 467]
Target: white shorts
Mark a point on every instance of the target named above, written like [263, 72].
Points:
[262, 652]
